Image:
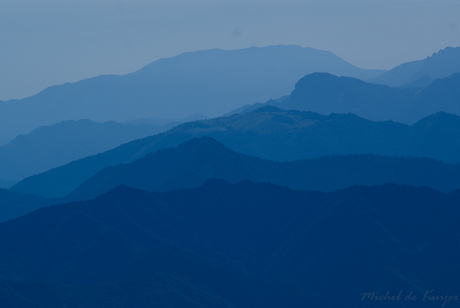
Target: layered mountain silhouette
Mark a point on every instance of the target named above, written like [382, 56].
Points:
[272, 134]
[422, 72]
[48, 147]
[14, 204]
[193, 162]
[234, 245]
[7, 183]
[339, 194]
[211, 82]
[4, 140]
[325, 94]
[166, 122]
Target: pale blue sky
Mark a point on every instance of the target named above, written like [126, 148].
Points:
[47, 42]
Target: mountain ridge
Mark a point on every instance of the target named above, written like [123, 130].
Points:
[14, 204]
[440, 64]
[246, 233]
[326, 94]
[193, 162]
[48, 147]
[272, 134]
[251, 75]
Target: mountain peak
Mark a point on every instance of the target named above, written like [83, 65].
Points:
[189, 83]
[267, 108]
[440, 118]
[440, 64]
[446, 52]
[312, 80]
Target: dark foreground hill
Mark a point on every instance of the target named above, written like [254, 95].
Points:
[194, 161]
[325, 94]
[212, 82]
[273, 134]
[235, 245]
[48, 147]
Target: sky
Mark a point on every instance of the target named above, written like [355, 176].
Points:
[49, 42]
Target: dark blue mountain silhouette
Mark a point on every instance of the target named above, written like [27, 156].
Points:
[273, 134]
[195, 161]
[7, 183]
[234, 245]
[14, 204]
[48, 147]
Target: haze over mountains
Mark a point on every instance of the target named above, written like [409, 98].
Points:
[422, 72]
[319, 92]
[211, 82]
[48, 147]
[325, 94]
[272, 134]
[258, 208]
[196, 83]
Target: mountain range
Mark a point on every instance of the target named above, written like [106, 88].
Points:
[211, 82]
[197, 160]
[7, 183]
[422, 72]
[14, 204]
[234, 245]
[165, 121]
[325, 94]
[343, 193]
[48, 147]
[196, 83]
[272, 134]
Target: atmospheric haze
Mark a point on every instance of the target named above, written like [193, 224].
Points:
[51, 42]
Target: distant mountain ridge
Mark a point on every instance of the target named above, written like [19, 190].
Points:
[48, 147]
[14, 204]
[6, 183]
[165, 121]
[325, 94]
[212, 82]
[273, 134]
[194, 161]
[439, 65]
[4, 140]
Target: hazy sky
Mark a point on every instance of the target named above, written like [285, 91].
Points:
[47, 42]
